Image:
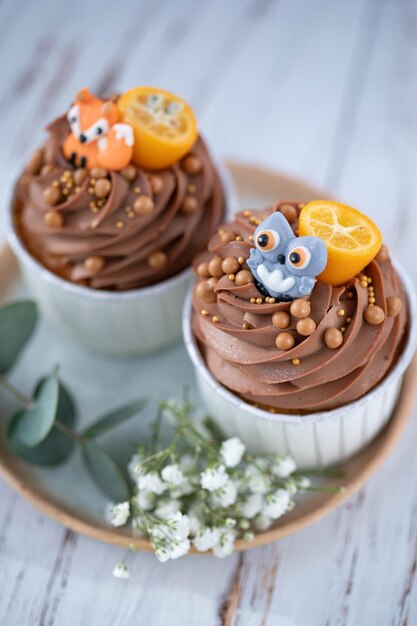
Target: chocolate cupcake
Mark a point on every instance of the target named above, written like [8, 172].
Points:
[114, 207]
[299, 330]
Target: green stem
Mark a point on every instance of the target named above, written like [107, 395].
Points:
[156, 429]
[68, 432]
[27, 402]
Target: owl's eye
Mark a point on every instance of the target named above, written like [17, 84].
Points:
[267, 240]
[299, 257]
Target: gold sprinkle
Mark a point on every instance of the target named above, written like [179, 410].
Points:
[91, 191]
[241, 260]
[343, 329]
[221, 231]
[341, 312]
[245, 326]
[271, 300]
[55, 183]
[215, 319]
[192, 188]
[65, 192]
[232, 276]
[252, 300]
[267, 299]
[95, 209]
[250, 237]
[296, 361]
[77, 189]
[119, 224]
[63, 179]
[92, 204]
[348, 319]
[92, 181]
[350, 295]
[204, 312]
[369, 280]
[239, 238]
[101, 202]
[246, 213]
[371, 300]
[259, 300]
[137, 189]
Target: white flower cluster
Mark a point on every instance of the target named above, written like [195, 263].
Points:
[204, 493]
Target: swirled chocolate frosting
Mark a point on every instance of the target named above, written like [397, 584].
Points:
[335, 344]
[116, 230]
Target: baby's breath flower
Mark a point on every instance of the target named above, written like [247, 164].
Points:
[257, 481]
[145, 500]
[214, 477]
[180, 525]
[167, 507]
[224, 496]
[262, 522]
[252, 505]
[248, 536]
[180, 549]
[232, 451]
[134, 467]
[276, 504]
[283, 466]
[121, 570]
[151, 482]
[225, 543]
[303, 482]
[172, 474]
[119, 514]
[206, 538]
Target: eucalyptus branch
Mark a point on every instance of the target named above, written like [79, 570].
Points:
[21, 397]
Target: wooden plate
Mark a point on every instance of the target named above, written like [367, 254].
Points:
[67, 494]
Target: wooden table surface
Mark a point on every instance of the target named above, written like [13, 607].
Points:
[322, 90]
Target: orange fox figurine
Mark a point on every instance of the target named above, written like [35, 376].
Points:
[96, 138]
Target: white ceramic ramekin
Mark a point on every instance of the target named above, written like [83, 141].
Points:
[118, 324]
[314, 440]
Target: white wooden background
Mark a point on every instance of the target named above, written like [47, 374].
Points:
[323, 90]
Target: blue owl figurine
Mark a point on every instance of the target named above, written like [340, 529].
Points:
[285, 266]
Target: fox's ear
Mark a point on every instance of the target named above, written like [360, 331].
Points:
[110, 111]
[84, 95]
[107, 108]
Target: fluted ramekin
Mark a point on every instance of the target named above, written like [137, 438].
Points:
[313, 440]
[115, 323]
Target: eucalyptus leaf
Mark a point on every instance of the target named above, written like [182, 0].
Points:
[17, 322]
[105, 472]
[57, 446]
[35, 422]
[108, 421]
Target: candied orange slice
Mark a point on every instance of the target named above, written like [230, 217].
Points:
[164, 126]
[352, 239]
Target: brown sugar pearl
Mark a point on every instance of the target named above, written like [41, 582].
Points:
[383, 254]
[230, 265]
[203, 270]
[35, 164]
[102, 187]
[157, 260]
[227, 236]
[80, 175]
[98, 172]
[129, 173]
[53, 219]
[156, 184]
[306, 326]
[143, 205]
[215, 266]
[192, 165]
[52, 195]
[94, 264]
[244, 277]
[333, 338]
[300, 308]
[212, 282]
[289, 212]
[374, 315]
[284, 341]
[205, 292]
[189, 205]
[393, 307]
[281, 319]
